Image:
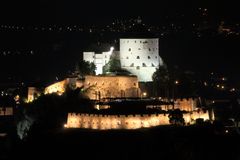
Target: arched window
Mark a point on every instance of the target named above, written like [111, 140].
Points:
[138, 57]
[149, 57]
[144, 65]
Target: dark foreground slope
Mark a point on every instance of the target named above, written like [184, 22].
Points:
[159, 143]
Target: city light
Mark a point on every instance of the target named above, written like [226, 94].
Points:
[233, 90]
[144, 94]
[177, 82]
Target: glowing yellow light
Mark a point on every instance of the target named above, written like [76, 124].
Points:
[144, 94]
[222, 87]
[17, 98]
[65, 126]
[176, 82]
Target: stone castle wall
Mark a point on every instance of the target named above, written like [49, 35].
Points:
[8, 111]
[107, 122]
[184, 104]
[111, 86]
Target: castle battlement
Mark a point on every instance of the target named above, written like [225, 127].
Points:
[135, 121]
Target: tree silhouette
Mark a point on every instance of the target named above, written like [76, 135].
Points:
[113, 65]
[85, 68]
[176, 117]
[161, 80]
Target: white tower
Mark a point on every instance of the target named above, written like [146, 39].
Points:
[140, 57]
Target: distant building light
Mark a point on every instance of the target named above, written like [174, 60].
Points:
[176, 82]
[233, 90]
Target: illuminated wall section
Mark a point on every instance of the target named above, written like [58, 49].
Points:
[58, 88]
[108, 122]
[6, 111]
[111, 86]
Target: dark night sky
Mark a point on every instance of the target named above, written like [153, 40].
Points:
[200, 55]
[45, 11]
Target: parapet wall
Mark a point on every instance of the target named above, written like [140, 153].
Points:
[184, 104]
[6, 111]
[107, 122]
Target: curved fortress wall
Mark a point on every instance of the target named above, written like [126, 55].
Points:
[140, 57]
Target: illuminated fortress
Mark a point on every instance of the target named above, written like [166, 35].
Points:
[138, 56]
[107, 122]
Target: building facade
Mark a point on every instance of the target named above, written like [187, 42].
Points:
[138, 56]
[99, 59]
[97, 87]
[100, 87]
